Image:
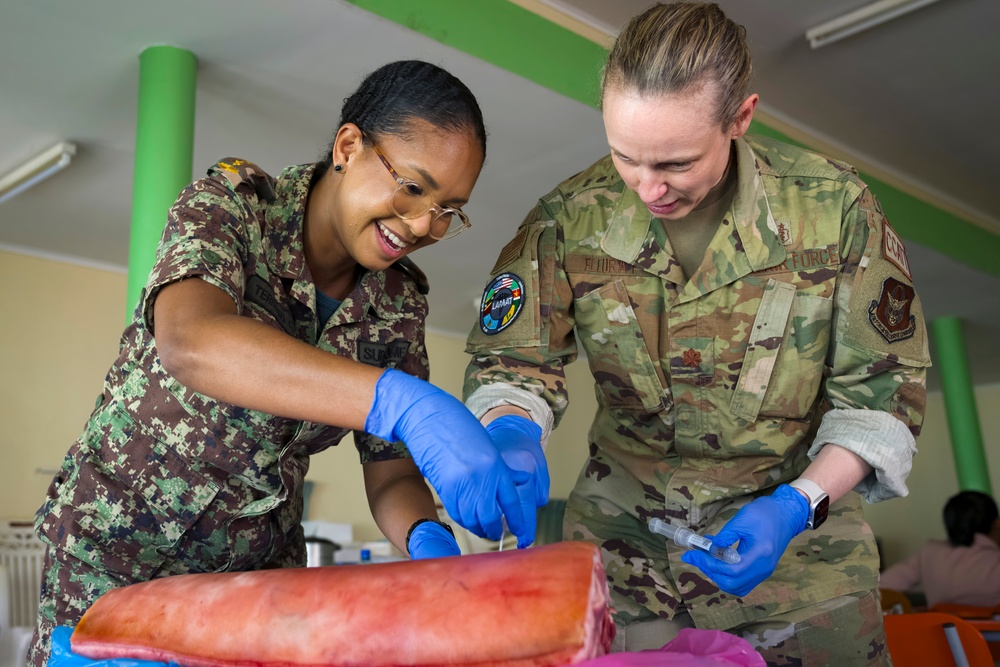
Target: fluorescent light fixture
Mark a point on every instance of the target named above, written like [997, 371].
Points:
[861, 19]
[36, 170]
[581, 15]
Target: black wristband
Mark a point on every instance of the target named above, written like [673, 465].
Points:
[420, 521]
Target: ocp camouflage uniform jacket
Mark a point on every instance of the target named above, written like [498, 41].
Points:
[800, 328]
[165, 480]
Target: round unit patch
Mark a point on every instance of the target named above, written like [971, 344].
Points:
[502, 301]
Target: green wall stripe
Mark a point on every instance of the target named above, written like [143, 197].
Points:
[562, 61]
[924, 223]
[507, 36]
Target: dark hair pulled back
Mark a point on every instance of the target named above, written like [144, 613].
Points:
[406, 90]
[968, 513]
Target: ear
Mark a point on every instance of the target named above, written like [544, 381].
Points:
[743, 117]
[347, 143]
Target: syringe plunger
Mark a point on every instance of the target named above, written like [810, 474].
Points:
[688, 539]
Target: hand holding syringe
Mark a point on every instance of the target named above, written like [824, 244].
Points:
[688, 539]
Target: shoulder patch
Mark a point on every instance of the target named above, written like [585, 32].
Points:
[502, 302]
[238, 171]
[890, 315]
[512, 250]
[894, 251]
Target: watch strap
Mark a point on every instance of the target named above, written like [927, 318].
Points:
[812, 490]
[817, 499]
[420, 521]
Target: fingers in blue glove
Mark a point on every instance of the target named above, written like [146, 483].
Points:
[432, 540]
[763, 528]
[519, 442]
[450, 448]
[527, 499]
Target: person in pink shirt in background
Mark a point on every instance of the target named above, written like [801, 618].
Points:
[963, 570]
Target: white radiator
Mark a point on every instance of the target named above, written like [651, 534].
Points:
[21, 555]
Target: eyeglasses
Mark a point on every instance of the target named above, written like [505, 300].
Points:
[410, 200]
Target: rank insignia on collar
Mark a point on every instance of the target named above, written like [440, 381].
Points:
[502, 301]
[784, 234]
[890, 315]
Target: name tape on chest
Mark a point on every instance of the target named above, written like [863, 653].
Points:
[259, 292]
[382, 354]
[597, 264]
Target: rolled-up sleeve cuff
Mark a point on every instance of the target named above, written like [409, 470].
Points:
[490, 396]
[878, 438]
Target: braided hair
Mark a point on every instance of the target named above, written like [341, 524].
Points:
[405, 90]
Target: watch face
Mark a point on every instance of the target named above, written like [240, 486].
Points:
[820, 511]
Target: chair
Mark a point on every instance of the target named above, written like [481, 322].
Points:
[921, 639]
[990, 629]
[895, 602]
[966, 611]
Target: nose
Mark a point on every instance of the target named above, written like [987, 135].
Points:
[420, 226]
[650, 186]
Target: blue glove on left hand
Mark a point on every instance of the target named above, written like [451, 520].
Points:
[764, 527]
[451, 449]
[431, 540]
[62, 655]
[519, 441]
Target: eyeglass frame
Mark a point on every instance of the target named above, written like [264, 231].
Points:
[434, 207]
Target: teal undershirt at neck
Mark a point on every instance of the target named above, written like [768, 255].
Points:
[327, 306]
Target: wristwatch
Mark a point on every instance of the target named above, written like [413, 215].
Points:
[819, 502]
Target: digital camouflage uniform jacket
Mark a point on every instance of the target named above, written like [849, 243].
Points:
[800, 327]
[165, 480]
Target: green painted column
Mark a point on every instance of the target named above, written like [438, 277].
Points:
[164, 147]
[960, 405]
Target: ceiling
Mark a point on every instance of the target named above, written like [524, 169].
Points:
[909, 101]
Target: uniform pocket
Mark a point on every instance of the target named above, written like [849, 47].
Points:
[616, 350]
[783, 366]
[139, 501]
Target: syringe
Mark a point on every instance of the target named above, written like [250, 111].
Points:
[687, 538]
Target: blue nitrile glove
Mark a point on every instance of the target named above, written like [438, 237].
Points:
[451, 449]
[520, 443]
[62, 655]
[431, 540]
[764, 527]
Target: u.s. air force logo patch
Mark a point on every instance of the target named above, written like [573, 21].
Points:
[502, 301]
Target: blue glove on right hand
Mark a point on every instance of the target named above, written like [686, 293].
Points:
[431, 540]
[451, 449]
[62, 655]
[520, 443]
[764, 527]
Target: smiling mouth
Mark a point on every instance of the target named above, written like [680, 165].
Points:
[391, 239]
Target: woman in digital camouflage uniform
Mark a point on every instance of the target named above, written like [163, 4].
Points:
[263, 336]
[756, 343]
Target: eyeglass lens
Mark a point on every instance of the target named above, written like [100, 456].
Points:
[409, 205]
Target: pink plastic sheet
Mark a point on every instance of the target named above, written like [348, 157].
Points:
[691, 648]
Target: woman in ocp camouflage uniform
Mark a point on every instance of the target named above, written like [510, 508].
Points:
[757, 346]
[282, 313]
